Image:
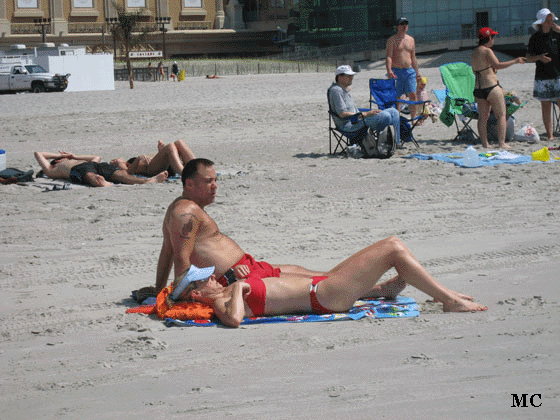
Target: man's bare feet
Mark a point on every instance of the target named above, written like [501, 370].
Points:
[504, 146]
[461, 305]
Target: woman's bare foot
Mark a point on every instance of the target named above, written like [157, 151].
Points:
[457, 295]
[504, 146]
[159, 178]
[160, 145]
[389, 289]
[461, 305]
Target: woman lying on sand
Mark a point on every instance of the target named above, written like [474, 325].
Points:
[354, 278]
[170, 157]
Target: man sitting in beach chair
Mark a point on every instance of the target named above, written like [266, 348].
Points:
[348, 118]
[89, 170]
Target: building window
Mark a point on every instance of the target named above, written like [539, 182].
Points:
[28, 4]
[135, 4]
[83, 4]
[192, 3]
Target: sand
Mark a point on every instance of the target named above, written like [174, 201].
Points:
[69, 260]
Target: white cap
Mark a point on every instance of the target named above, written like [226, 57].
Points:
[194, 274]
[344, 70]
[541, 17]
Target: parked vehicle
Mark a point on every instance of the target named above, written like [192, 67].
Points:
[32, 77]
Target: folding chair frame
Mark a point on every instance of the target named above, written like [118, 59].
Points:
[466, 120]
[343, 138]
[555, 119]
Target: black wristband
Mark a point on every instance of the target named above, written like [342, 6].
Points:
[230, 276]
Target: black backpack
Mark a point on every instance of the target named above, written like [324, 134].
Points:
[380, 145]
[13, 175]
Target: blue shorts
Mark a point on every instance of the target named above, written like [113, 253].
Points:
[406, 80]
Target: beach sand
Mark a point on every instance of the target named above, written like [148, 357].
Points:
[69, 260]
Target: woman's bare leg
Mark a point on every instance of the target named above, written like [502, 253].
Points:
[125, 178]
[498, 104]
[166, 156]
[482, 123]
[358, 275]
[546, 109]
[185, 153]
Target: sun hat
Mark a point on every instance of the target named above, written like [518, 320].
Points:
[541, 17]
[486, 32]
[194, 274]
[401, 20]
[344, 70]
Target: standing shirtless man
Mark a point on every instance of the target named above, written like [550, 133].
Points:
[191, 237]
[401, 62]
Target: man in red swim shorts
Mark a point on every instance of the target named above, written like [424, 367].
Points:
[191, 236]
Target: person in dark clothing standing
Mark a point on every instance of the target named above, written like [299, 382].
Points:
[544, 51]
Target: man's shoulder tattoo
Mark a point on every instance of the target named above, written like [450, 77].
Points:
[189, 221]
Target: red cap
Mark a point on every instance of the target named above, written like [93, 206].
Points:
[486, 33]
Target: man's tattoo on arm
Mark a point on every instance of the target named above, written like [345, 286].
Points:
[188, 225]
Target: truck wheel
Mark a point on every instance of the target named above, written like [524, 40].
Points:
[38, 88]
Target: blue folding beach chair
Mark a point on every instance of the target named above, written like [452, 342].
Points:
[383, 93]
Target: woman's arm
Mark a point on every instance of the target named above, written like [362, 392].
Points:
[231, 312]
[499, 65]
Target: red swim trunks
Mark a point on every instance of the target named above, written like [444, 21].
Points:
[315, 305]
[261, 269]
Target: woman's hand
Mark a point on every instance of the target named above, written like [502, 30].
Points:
[544, 58]
[241, 271]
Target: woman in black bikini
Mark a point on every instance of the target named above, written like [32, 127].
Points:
[337, 291]
[488, 92]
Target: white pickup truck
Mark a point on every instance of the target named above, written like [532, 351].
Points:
[33, 78]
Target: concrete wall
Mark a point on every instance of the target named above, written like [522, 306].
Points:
[88, 72]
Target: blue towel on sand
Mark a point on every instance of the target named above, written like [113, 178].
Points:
[457, 159]
[402, 307]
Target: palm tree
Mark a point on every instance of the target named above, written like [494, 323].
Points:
[126, 31]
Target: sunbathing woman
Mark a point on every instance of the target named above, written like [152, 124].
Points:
[170, 157]
[488, 93]
[353, 278]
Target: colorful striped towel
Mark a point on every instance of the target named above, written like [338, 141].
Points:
[402, 307]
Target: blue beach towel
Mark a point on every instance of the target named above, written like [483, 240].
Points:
[486, 159]
[402, 307]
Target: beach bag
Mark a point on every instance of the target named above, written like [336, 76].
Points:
[13, 176]
[492, 128]
[381, 145]
[527, 133]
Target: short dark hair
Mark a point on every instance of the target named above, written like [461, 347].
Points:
[482, 41]
[132, 159]
[191, 168]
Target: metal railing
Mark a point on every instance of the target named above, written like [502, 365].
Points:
[201, 24]
[86, 28]
[27, 28]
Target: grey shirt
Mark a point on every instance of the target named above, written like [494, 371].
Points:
[340, 101]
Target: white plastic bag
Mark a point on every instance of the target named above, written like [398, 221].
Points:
[527, 133]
